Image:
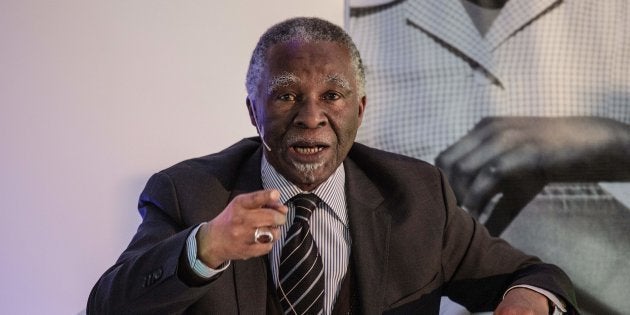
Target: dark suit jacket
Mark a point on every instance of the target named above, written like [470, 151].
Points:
[410, 242]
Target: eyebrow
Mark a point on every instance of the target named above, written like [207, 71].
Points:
[282, 80]
[338, 79]
[288, 78]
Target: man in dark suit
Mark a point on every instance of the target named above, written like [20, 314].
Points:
[384, 234]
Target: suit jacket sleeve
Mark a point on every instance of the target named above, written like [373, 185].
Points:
[147, 271]
[479, 267]
[152, 275]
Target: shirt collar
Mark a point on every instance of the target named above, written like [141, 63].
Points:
[332, 191]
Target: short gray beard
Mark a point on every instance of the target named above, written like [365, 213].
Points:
[308, 170]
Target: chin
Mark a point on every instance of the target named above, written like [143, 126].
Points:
[308, 171]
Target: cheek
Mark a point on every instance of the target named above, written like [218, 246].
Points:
[350, 124]
[276, 126]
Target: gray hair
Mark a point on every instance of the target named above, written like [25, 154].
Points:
[304, 29]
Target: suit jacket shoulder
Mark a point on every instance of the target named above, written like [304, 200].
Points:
[223, 165]
[173, 202]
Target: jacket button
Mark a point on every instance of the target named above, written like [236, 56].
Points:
[157, 274]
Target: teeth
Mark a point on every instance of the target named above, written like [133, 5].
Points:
[309, 150]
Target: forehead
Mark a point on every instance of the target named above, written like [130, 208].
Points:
[318, 57]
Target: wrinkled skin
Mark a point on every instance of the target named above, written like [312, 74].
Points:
[310, 120]
[522, 301]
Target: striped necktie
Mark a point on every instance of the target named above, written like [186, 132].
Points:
[301, 272]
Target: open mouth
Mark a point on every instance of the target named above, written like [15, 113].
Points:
[308, 149]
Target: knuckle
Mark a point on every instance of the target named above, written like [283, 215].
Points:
[236, 233]
[239, 198]
[460, 168]
[495, 172]
[238, 220]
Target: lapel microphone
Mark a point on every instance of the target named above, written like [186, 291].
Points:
[261, 132]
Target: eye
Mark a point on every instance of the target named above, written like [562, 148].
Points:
[286, 97]
[331, 96]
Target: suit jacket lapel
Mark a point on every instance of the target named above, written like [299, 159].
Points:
[369, 227]
[370, 231]
[250, 276]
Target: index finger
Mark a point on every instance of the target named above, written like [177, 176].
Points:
[269, 198]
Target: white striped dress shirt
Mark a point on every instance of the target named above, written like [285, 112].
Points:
[329, 226]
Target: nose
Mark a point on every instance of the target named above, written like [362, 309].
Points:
[311, 114]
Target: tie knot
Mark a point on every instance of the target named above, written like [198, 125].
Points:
[304, 205]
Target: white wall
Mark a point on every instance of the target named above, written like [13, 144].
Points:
[95, 96]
